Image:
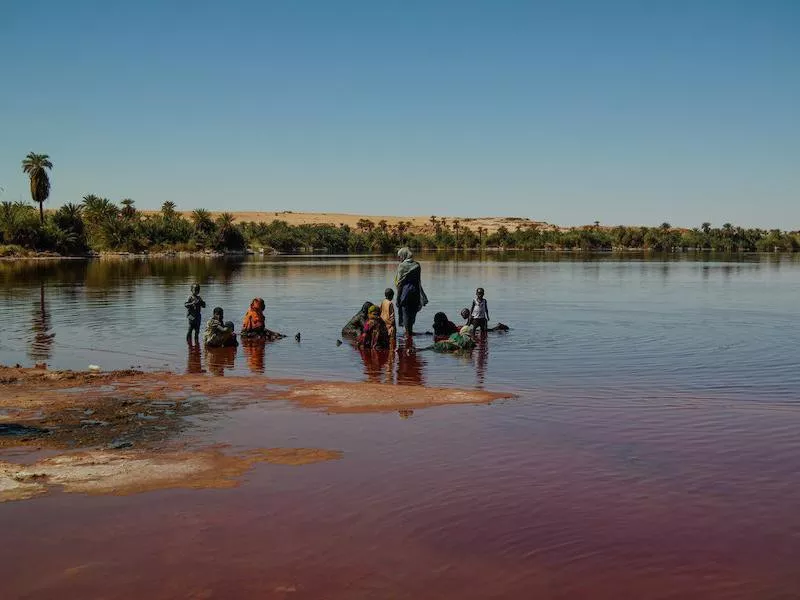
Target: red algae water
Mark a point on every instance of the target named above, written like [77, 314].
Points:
[651, 450]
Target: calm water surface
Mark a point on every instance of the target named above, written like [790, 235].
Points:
[652, 451]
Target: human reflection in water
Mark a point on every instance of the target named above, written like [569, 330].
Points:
[194, 362]
[254, 352]
[41, 348]
[410, 365]
[220, 359]
[481, 358]
[375, 363]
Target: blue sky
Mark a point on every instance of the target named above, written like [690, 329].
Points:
[626, 112]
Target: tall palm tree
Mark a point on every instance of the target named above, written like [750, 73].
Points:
[36, 166]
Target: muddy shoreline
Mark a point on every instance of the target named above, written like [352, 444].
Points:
[130, 431]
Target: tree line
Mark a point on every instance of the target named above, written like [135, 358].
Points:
[99, 224]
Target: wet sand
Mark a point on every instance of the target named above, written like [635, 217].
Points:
[128, 424]
[125, 472]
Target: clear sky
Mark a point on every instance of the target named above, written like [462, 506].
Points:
[627, 112]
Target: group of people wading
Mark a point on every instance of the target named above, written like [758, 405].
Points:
[375, 327]
[219, 333]
[372, 327]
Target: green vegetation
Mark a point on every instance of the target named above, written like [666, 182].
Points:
[98, 224]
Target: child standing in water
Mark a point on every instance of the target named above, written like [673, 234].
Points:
[387, 313]
[194, 304]
[479, 314]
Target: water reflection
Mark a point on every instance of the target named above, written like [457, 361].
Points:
[108, 273]
[42, 342]
[481, 358]
[410, 367]
[220, 359]
[254, 352]
[377, 367]
[194, 362]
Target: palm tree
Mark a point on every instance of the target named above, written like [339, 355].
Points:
[201, 219]
[69, 218]
[97, 210]
[225, 220]
[456, 227]
[168, 210]
[72, 210]
[706, 227]
[36, 166]
[481, 231]
[128, 209]
[365, 225]
[666, 226]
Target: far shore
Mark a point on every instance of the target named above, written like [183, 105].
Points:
[72, 233]
[415, 224]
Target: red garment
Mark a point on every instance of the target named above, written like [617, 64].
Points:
[374, 334]
[254, 319]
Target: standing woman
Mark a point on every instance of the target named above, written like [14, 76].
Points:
[410, 295]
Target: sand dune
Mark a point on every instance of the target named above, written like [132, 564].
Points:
[418, 223]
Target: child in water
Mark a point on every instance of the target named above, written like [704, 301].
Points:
[387, 313]
[194, 304]
[374, 334]
[465, 314]
[219, 333]
[479, 313]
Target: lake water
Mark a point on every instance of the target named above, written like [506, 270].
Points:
[652, 450]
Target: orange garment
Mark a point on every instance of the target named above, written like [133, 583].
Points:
[387, 314]
[254, 319]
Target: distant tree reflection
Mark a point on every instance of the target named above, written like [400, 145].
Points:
[41, 348]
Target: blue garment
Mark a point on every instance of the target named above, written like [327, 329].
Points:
[408, 316]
